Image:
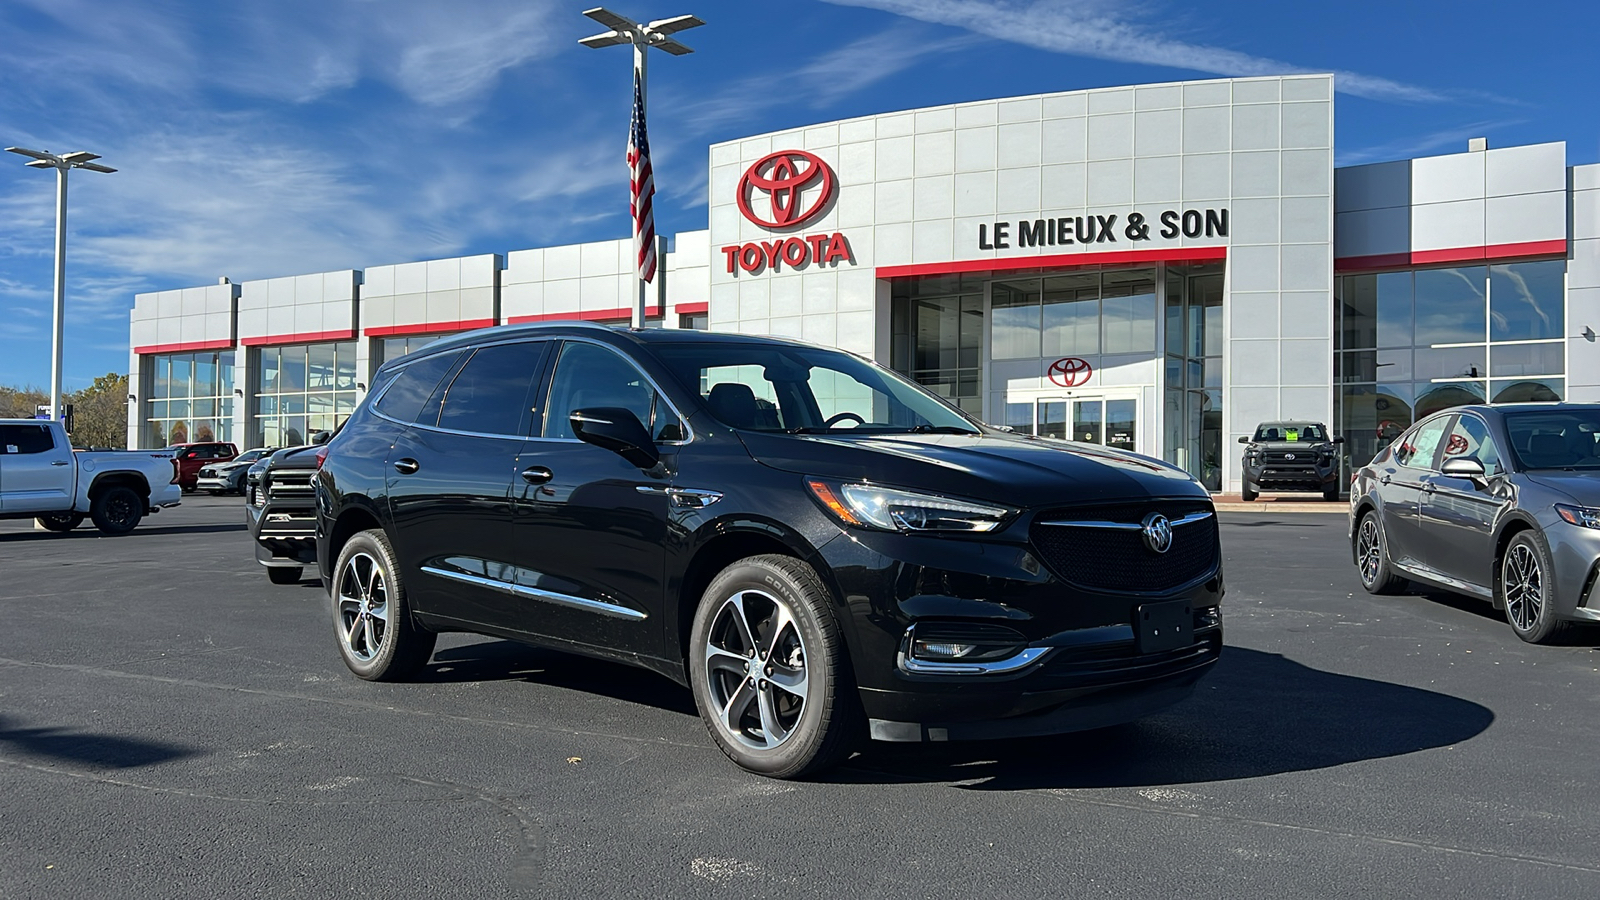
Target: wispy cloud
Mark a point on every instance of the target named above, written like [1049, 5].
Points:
[1418, 144]
[1101, 31]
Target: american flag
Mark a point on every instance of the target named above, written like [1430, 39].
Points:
[644, 188]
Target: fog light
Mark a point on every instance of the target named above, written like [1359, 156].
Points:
[965, 641]
[940, 650]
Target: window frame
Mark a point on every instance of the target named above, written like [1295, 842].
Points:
[548, 380]
[527, 422]
[1448, 418]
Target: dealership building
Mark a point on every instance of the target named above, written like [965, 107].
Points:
[1155, 267]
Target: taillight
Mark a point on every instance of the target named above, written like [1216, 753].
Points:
[322, 455]
[175, 471]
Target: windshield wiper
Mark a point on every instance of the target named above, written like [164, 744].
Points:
[942, 429]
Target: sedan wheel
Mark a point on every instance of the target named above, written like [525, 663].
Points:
[1526, 591]
[1372, 556]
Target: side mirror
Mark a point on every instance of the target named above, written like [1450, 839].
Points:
[616, 429]
[1468, 467]
[1338, 439]
[322, 437]
[1244, 440]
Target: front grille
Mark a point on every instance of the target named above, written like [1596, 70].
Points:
[1116, 560]
[290, 484]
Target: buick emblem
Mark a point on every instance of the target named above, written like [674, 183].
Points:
[1157, 533]
[782, 177]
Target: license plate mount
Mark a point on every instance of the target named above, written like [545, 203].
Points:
[1158, 627]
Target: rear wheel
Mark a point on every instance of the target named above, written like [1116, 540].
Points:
[1331, 492]
[372, 615]
[1372, 556]
[768, 668]
[117, 511]
[60, 521]
[1526, 590]
[283, 574]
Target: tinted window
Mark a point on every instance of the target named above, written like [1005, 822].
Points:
[588, 375]
[1471, 439]
[25, 439]
[412, 388]
[490, 393]
[1419, 447]
[1290, 431]
[1558, 439]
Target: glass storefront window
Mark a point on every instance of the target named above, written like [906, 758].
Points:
[395, 347]
[1541, 390]
[1072, 315]
[1449, 362]
[1526, 301]
[1432, 398]
[1450, 306]
[302, 389]
[1128, 312]
[1014, 319]
[1528, 359]
[190, 398]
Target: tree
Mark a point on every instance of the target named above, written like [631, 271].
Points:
[21, 403]
[100, 412]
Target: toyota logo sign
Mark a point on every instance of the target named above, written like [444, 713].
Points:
[1070, 372]
[782, 179]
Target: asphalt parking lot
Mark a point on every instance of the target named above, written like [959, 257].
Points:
[172, 725]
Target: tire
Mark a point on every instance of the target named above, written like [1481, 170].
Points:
[371, 615]
[60, 522]
[1247, 493]
[1372, 557]
[1526, 590]
[754, 612]
[1331, 493]
[284, 574]
[117, 511]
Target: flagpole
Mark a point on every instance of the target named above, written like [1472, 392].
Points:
[640, 59]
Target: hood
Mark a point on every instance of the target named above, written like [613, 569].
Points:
[227, 466]
[1583, 487]
[1017, 470]
[302, 457]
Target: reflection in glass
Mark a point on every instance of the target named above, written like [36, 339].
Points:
[1450, 305]
[1088, 421]
[1014, 320]
[1432, 398]
[1019, 417]
[1121, 423]
[1128, 311]
[1072, 315]
[1528, 359]
[1450, 362]
[1526, 300]
[1052, 418]
[1543, 390]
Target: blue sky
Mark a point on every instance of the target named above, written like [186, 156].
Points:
[272, 138]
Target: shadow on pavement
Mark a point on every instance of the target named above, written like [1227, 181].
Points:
[89, 749]
[494, 660]
[1257, 714]
[87, 532]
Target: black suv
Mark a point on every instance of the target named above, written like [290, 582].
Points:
[817, 547]
[280, 511]
[1291, 456]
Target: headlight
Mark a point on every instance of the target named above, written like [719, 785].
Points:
[870, 506]
[1585, 516]
[258, 495]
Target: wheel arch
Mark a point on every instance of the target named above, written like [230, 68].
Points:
[352, 520]
[1514, 525]
[1367, 505]
[108, 480]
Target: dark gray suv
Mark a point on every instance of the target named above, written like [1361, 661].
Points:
[1497, 502]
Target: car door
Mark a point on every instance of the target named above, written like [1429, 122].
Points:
[1400, 486]
[36, 475]
[591, 527]
[1456, 516]
[449, 482]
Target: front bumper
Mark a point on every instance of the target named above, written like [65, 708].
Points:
[213, 483]
[1291, 477]
[1084, 667]
[285, 534]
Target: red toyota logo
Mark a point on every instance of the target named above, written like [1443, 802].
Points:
[1070, 372]
[783, 176]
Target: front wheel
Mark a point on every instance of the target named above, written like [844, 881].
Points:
[117, 511]
[1526, 590]
[60, 521]
[768, 667]
[1372, 555]
[372, 615]
[1331, 492]
[1247, 492]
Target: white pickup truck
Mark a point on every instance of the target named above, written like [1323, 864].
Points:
[42, 477]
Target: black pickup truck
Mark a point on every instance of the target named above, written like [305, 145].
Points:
[1291, 456]
[281, 511]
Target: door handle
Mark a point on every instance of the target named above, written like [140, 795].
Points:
[1430, 487]
[537, 475]
[406, 466]
[60, 462]
[1384, 479]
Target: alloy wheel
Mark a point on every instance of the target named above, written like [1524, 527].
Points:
[1369, 549]
[363, 606]
[1524, 587]
[756, 669]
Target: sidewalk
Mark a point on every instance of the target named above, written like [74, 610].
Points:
[1280, 503]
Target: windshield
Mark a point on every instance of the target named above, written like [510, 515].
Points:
[1555, 439]
[805, 390]
[251, 455]
[1291, 432]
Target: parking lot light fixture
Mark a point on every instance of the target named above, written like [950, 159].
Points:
[78, 159]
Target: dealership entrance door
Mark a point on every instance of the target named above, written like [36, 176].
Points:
[1108, 420]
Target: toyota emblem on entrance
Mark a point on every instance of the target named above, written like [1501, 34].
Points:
[784, 176]
[1157, 532]
[1070, 372]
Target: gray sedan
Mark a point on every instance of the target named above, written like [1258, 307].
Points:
[1497, 502]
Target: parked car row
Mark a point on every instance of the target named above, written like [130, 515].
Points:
[228, 477]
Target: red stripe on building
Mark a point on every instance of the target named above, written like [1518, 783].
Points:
[692, 309]
[589, 315]
[1059, 261]
[185, 347]
[1488, 253]
[428, 328]
[305, 337]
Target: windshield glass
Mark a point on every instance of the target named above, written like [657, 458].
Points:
[1555, 439]
[805, 390]
[1291, 432]
[251, 455]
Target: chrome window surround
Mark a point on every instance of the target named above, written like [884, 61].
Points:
[519, 590]
[1127, 526]
[909, 664]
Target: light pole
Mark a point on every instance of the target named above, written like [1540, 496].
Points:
[657, 34]
[81, 159]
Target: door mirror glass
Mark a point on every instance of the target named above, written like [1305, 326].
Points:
[1339, 439]
[1244, 439]
[617, 429]
[1463, 467]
